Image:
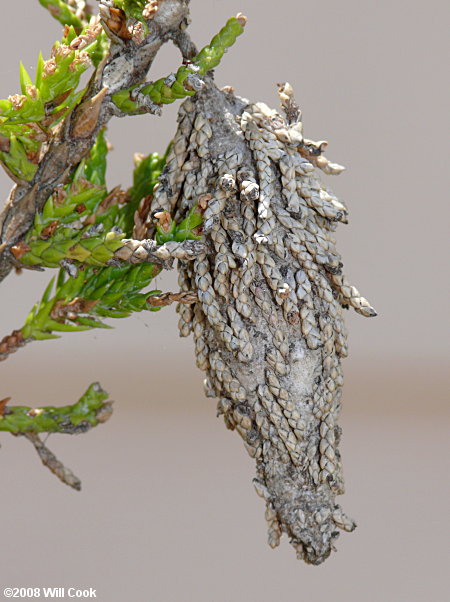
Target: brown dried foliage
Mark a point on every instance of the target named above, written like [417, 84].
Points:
[11, 343]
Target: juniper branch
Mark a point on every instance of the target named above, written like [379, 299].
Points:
[11, 343]
[55, 466]
[113, 291]
[90, 410]
[123, 267]
[111, 249]
[125, 65]
[186, 81]
[68, 12]
[163, 299]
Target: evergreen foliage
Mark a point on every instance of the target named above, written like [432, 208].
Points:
[82, 223]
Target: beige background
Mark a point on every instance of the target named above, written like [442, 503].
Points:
[168, 512]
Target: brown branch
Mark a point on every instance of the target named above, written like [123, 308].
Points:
[147, 250]
[90, 410]
[55, 466]
[187, 298]
[126, 64]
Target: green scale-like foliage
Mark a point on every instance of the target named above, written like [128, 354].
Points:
[64, 13]
[70, 238]
[70, 419]
[132, 8]
[95, 243]
[185, 230]
[145, 177]
[167, 90]
[27, 119]
[98, 290]
[112, 292]
[82, 224]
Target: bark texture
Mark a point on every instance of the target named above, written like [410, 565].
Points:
[268, 325]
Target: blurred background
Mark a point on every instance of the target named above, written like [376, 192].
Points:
[168, 511]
